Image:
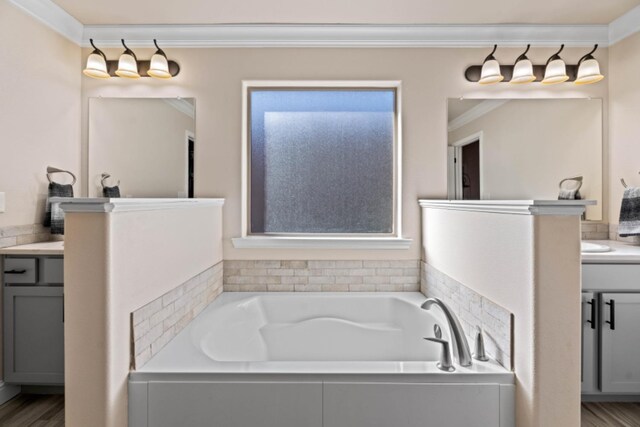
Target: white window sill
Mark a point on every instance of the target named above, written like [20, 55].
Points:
[279, 242]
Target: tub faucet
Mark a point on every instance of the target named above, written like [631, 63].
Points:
[460, 344]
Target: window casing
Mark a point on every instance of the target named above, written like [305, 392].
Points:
[321, 159]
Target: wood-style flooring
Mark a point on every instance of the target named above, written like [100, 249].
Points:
[610, 414]
[36, 410]
[33, 410]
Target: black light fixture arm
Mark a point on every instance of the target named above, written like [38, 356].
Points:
[490, 57]
[588, 55]
[128, 51]
[524, 54]
[97, 51]
[159, 51]
[556, 55]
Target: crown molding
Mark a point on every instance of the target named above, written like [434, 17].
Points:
[181, 105]
[53, 16]
[294, 35]
[625, 26]
[475, 113]
[303, 35]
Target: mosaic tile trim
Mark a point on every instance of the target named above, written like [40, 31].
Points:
[322, 276]
[474, 311]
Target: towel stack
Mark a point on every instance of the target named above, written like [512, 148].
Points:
[630, 213]
[54, 216]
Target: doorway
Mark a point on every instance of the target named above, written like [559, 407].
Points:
[191, 143]
[466, 163]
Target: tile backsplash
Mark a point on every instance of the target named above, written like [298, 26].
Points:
[157, 323]
[322, 276]
[24, 234]
[473, 310]
[594, 231]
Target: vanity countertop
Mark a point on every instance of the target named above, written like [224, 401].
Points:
[42, 248]
[621, 253]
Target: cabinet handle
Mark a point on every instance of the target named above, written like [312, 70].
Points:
[14, 271]
[612, 314]
[592, 321]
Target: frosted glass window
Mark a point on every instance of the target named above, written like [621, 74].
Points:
[322, 160]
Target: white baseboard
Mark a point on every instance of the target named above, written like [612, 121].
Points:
[8, 392]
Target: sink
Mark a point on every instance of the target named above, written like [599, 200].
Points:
[587, 247]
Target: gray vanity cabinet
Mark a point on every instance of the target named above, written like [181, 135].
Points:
[33, 312]
[610, 332]
[620, 362]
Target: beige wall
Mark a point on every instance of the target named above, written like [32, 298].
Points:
[529, 146]
[429, 76]
[624, 136]
[530, 266]
[142, 143]
[116, 263]
[39, 112]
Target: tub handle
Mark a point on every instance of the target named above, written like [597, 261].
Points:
[445, 363]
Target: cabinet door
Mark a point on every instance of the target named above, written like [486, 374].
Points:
[589, 342]
[620, 346]
[33, 335]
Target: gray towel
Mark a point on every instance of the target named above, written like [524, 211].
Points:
[568, 194]
[111, 192]
[630, 213]
[54, 216]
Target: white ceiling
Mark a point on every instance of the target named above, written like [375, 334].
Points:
[458, 107]
[347, 11]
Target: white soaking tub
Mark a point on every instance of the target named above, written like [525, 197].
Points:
[315, 360]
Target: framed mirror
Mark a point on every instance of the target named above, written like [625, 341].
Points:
[141, 147]
[505, 149]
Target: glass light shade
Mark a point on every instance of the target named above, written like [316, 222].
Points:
[96, 67]
[159, 67]
[490, 73]
[589, 72]
[555, 72]
[523, 72]
[127, 67]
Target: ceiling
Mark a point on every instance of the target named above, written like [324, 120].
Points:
[458, 107]
[346, 11]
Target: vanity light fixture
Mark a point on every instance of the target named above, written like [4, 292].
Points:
[555, 69]
[490, 69]
[588, 69]
[96, 64]
[523, 69]
[128, 64]
[159, 67]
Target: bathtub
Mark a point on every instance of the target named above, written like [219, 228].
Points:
[316, 360]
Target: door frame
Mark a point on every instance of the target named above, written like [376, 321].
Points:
[457, 167]
[189, 135]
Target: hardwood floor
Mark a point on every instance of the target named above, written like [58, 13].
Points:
[610, 414]
[36, 410]
[33, 410]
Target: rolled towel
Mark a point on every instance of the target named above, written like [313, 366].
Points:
[111, 192]
[629, 224]
[54, 216]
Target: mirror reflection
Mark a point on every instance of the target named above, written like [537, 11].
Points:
[504, 149]
[141, 147]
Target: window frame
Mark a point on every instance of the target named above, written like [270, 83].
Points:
[306, 239]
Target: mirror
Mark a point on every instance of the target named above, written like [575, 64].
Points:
[505, 149]
[145, 145]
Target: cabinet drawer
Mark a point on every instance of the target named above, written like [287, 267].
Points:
[20, 270]
[611, 277]
[53, 271]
